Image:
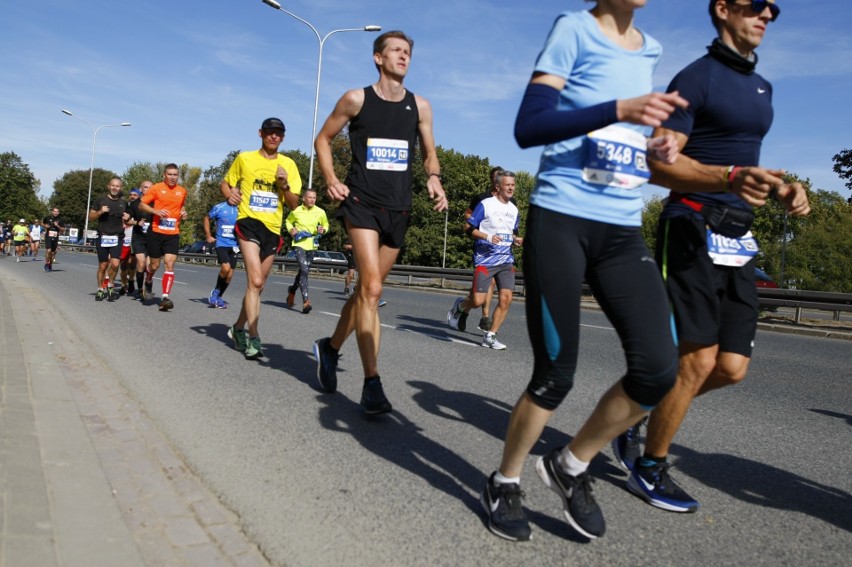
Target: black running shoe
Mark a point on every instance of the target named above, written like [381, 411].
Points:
[506, 516]
[100, 295]
[166, 304]
[149, 291]
[112, 294]
[326, 365]
[655, 485]
[373, 397]
[627, 447]
[581, 510]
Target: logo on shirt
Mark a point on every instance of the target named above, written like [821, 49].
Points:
[760, 90]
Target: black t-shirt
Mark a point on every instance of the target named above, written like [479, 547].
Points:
[137, 215]
[55, 226]
[111, 222]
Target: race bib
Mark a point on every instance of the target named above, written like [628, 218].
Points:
[127, 240]
[109, 240]
[616, 157]
[227, 231]
[727, 251]
[236, 249]
[384, 154]
[263, 202]
[505, 239]
[53, 233]
[168, 224]
[145, 225]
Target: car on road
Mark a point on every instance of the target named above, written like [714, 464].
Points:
[762, 279]
[198, 247]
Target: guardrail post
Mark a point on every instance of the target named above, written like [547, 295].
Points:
[798, 314]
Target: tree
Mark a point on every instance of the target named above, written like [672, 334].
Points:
[138, 172]
[200, 202]
[651, 221]
[19, 188]
[70, 193]
[843, 166]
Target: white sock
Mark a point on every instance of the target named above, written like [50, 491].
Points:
[570, 464]
[500, 479]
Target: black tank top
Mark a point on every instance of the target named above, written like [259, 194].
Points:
[382, 137]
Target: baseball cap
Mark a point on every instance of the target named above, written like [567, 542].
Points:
[23, 220]
[272, 124]
[135, 191]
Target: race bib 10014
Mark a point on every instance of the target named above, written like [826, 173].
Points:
[387, 155]
[616, 157]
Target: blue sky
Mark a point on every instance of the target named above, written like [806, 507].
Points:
[196, 78]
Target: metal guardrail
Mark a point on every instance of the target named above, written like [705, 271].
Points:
[455, 278]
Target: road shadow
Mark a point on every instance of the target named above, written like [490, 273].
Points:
[767, 486]
[828, 413]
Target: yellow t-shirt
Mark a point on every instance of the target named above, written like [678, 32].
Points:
[254, 175]
[306, 220]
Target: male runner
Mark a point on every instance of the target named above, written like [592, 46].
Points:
[485, 321]
[708, 266]
[127, 265]
[110, 211]
[141, 222]
[35, 238]
[20, 233]
[165, 201]
[494, 226]
[350, 268]
[306, 223]
[225, 216]
[385, 120]
[260, 182]
[53, 226]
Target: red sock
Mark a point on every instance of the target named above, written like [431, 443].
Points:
[106, 282]
[168, 280]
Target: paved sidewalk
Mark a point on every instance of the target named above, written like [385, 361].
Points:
[85, 477]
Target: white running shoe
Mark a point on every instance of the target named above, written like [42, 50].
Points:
[490, 341]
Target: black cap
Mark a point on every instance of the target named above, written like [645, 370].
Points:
[272, 124]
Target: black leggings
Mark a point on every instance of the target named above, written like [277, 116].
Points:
[305, 259]
[559, 252]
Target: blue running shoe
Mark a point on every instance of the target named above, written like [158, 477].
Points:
[213, 300]
[654, 485]
[627, 447]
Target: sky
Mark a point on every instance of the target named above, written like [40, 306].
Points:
[195, 79]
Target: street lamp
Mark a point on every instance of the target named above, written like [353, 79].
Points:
[321, 40]
[92, 166]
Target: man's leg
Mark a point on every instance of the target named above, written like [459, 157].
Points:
[256, 274]
[505, 300]
[486, 322]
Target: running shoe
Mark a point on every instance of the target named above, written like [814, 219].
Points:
[213, 299]
[490, 341]
[46, 268]
[112, 294]
[456, 318]
[291, 297]
[239, 337]
[18, 259]
[506, 517]
[654, 485]
[100, 295]
[346, 291]
[382, 302]
[627, 447]
[485, 324]
[35, 259]
[166, 304]
[221, 303]
[149, 290]
[254, 349]
[306, 308]
[580, 508]
[121, 290]
[373, 397]
[131, 290]
[326, 365]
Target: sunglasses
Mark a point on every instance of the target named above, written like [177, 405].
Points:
[758, 6]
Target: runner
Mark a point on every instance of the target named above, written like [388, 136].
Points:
[385, 120]
[350, 268]
[494, 227]
[165, 201]
[708, 266]
[54, 226]
[141, 222]
[127, 266]
[225, 216]
[587, 92]
[306, 223]
[20, 233]
[110, 211]
[260, 182]
[35, 238]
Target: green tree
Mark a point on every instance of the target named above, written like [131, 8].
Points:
[70, 194]
[203, 198]
[19, 188]
[843, 166]
[651, 220]
[140, 171]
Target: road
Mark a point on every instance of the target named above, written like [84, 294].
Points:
[315, 482]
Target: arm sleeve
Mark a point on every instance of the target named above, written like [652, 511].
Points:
[539, 122]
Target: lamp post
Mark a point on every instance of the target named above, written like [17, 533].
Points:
[321, 40]
[95, 131]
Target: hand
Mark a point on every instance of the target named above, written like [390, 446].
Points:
[183, 214]
[663, 148]
[125, 217]
[794, 198]
[650, 109]
[104, 209]
[753, 184]
[210, 239]
[436, 193]
[337, 191]
[235, 197]
[163, 213]
[518, 241]
[281, 177]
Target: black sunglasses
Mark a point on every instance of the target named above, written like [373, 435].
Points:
[758, 6]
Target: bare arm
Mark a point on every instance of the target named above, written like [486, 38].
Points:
[346, 108]
[231, 194]
[207, 232]
[430, 155]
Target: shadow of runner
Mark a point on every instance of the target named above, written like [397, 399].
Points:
[767, 486]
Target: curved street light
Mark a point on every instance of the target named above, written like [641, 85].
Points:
[95, 131]
[321, 39]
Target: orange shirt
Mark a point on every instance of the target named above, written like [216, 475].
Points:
[161, 196]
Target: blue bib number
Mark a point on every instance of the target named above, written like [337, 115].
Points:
[387, 155]
[727, 251]
[616, 157]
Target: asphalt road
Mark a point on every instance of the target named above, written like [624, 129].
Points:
[315, 482]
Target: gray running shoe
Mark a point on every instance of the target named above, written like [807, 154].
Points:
[456, 317]
[490, 341]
